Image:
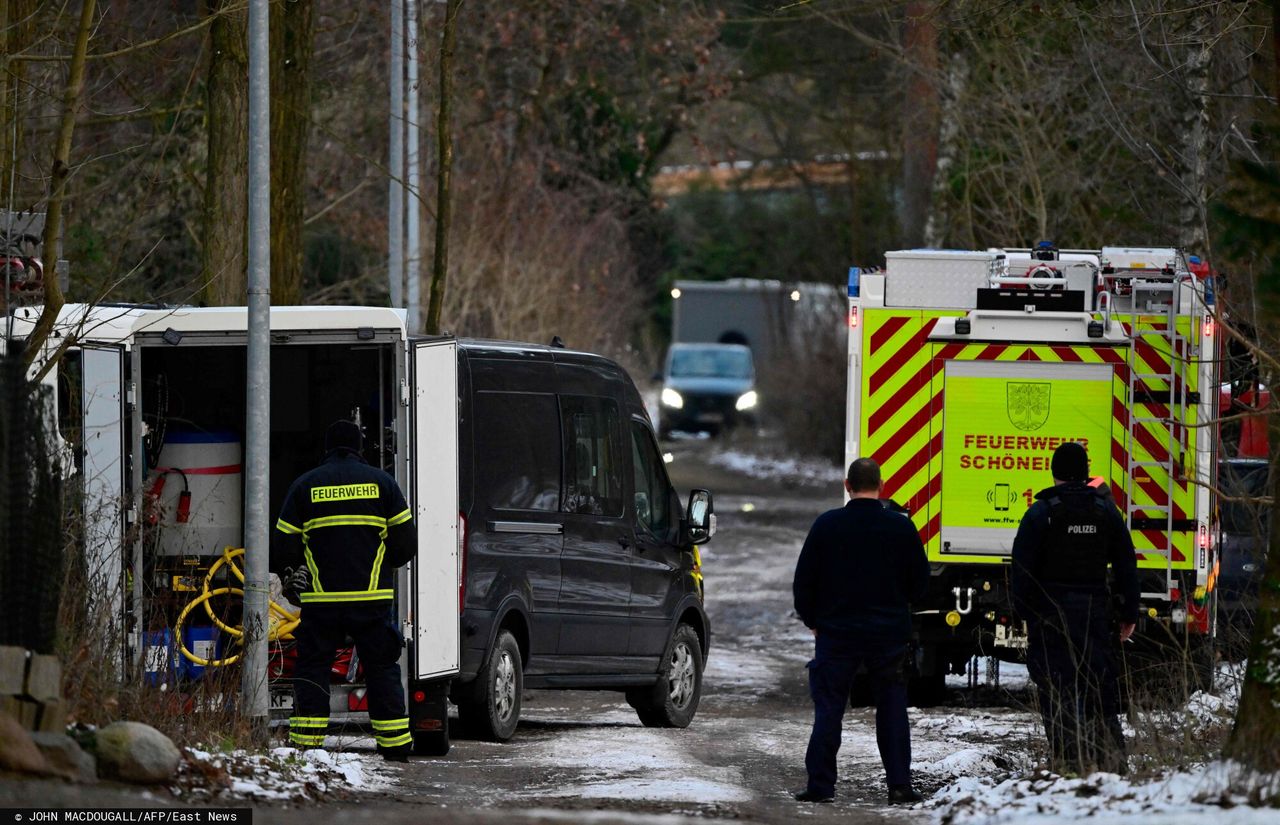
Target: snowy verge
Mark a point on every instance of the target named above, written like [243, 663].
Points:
[282, 775]
[980, 793]
[1220, 790]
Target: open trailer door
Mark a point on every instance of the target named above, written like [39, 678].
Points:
[434, 414]
[105, 499]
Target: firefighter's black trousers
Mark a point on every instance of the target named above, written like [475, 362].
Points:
[323, 630]
[1069, 657]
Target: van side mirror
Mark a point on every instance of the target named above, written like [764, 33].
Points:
[700, 517]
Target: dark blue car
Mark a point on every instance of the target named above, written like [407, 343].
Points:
[707, 388]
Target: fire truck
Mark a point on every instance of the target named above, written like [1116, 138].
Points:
[968, 368]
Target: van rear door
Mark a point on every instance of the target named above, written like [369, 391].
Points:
[435, 572]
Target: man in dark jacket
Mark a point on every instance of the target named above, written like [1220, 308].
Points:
[350, 524]
[860, 568]
[1064, 545]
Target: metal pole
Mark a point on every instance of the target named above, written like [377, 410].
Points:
[395, 164]
[258, 406]
[413, 256]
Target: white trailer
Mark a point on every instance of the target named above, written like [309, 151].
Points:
[151, 404]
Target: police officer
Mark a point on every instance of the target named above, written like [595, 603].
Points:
[350, 524]
[860, 567]
[1064, 544]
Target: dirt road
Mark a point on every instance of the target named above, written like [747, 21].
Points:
[578, 753]
[741, 758]
[584, 756]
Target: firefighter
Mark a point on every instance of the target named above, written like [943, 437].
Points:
[860, 567]
[1063, 547]
[350, 524]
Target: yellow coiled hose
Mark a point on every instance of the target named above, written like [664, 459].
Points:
[280, 622]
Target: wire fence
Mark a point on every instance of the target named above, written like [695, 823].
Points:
[31, 534]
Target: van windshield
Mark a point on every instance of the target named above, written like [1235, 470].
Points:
[711, 363]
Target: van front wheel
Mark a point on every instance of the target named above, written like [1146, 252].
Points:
[672, 702]
[494, 709]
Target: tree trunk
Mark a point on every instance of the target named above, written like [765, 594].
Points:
[61, 169]
[1255, 739]
[1192, 231]
[1275, 49]
[17, 30]
[226, 192]
[8, 153]
[920, 118]
[292, 35]
[444, 140]
[17, 193]
[938, 224]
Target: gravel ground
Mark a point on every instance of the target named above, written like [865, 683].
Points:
[584, 757]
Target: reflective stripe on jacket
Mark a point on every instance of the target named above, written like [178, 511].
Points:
[349, 522]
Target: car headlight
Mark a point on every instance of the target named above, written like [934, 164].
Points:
[747, 400]
[671, 398]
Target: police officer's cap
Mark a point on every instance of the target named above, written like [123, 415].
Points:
[1070, 462]
[343, 434]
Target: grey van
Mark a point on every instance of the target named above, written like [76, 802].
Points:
[707, 387]
[579, 568]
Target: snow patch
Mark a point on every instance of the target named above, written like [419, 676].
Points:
[740, 670]
[1218, 790]
[983, 724]
[283, 774]
[967, 762]
[668, 788]
[809, 471]
[1013, 676]
[634, 763]
[609, 817]
[982, 795]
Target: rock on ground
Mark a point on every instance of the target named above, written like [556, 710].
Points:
[135, 752]
[65, 757]
[17, 750]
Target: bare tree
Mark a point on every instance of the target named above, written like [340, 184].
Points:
[1251, 229]
[292, 41]
[444, 170]
[17, 29]
[920, 120]
[225, 234]
[59, 171]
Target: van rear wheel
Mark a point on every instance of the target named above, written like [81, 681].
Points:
[673, 701]
[494, 710]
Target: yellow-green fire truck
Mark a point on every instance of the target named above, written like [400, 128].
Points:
[966, 370]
